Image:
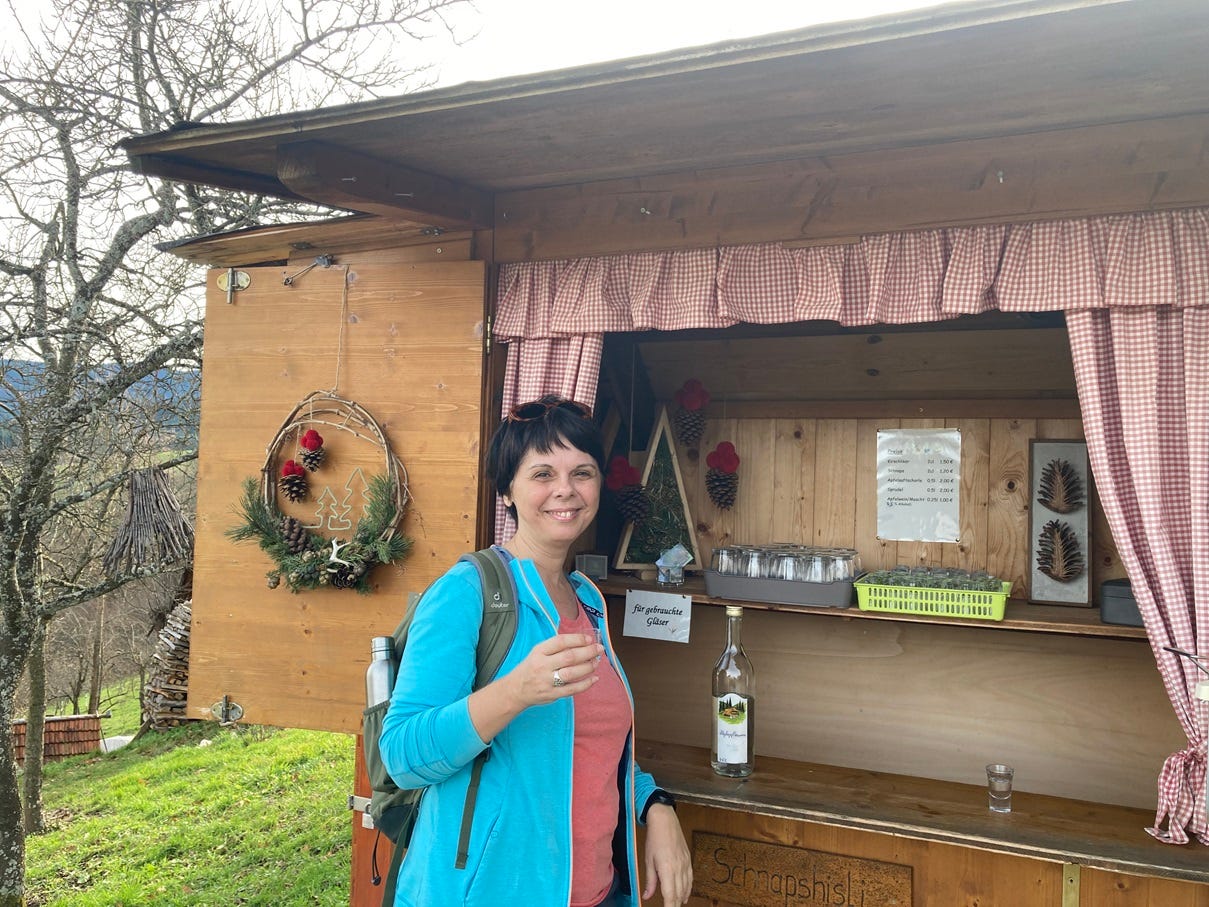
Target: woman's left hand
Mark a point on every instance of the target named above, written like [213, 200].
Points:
[669, 865]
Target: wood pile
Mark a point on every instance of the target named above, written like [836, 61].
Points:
[164, 697]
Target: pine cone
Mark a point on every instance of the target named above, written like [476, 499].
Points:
[722, 487]
[690, 426]
[1061, 488]
[295, 534]
[313, 459]
[633, 503]
[273, 579]
[294, 487]
[1058, 553]
[344, 577]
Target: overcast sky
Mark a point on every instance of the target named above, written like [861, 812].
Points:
[515, 37]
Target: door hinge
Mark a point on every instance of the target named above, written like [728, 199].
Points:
[232, 281]
[487, 335]
[227, 711]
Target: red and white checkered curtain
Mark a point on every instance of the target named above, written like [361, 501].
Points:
[1143, 377]
[1135, 291]
[1125, 260]
[569, 366]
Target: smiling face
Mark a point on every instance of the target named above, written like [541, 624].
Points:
[556, 495]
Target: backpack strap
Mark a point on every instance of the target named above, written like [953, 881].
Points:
[499, 613]
[392, 874]
[495, 639]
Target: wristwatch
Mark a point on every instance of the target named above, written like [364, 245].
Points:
[658, 795]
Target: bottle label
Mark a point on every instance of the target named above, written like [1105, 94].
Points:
[730, 720]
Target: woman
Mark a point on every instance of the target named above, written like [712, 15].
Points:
[560, 796]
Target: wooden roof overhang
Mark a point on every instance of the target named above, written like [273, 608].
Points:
[965, 113]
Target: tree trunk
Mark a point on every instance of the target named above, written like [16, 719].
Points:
[12, 835]
[35, 734]
[94, 689]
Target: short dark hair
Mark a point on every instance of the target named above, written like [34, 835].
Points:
[559, 426]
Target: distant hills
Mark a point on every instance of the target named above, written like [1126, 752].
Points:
[170, 396]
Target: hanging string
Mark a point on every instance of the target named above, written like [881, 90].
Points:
[340, 336]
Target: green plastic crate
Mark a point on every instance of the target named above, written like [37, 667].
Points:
[934, 602]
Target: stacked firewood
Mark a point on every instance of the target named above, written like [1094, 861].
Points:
[168, 685]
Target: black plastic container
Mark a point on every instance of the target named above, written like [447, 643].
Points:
[1117, 604]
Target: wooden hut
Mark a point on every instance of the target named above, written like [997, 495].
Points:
[893, 220]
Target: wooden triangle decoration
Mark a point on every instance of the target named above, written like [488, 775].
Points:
[670, 520]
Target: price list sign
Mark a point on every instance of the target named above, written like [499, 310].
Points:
[919, 484]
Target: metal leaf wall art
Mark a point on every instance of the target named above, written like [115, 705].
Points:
[1058, 553]
[1061, 488]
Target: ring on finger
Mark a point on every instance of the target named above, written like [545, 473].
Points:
[558, 680]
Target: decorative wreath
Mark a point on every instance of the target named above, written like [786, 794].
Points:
[305, 559]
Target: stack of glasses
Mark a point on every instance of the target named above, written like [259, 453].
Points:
[935, 578]
[935, 591]
[786, 573]
[799, 563]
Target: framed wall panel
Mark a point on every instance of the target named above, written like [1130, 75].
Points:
[1059, 523]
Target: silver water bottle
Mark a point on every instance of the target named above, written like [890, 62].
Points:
[380, 675]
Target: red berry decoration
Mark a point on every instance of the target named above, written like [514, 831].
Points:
[293, 481]
[722, 478]
[690, 418]
[312, 450]
[626, 484]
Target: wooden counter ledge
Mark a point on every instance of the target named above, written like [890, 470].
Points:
[1042, 827]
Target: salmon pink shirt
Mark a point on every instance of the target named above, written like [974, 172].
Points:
[602, 722]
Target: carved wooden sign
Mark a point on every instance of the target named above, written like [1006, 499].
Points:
[757, 874]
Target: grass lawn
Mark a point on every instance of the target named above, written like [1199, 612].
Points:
[121, 701]
[198, 815]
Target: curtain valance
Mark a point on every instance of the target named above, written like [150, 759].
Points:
[1158, 258]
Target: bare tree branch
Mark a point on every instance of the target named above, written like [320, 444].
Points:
[100, 336]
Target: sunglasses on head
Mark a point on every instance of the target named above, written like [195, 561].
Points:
[528, 412]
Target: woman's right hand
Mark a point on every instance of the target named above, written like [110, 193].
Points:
[532, 682]
[569, 657]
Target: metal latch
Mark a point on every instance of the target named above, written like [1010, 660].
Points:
[321, 261]
[361, 805]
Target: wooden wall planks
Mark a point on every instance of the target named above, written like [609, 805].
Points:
[1082, 718]
[1098, 888]
[813, 481]
[868, 364]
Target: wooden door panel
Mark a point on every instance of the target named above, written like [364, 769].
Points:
[406, 344]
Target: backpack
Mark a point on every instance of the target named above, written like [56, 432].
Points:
[392, 808]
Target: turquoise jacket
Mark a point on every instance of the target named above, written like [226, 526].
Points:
[520, 842]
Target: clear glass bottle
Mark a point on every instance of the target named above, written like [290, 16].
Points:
[380, 675]
[733, 750]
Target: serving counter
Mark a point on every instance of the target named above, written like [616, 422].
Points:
[853, 830]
